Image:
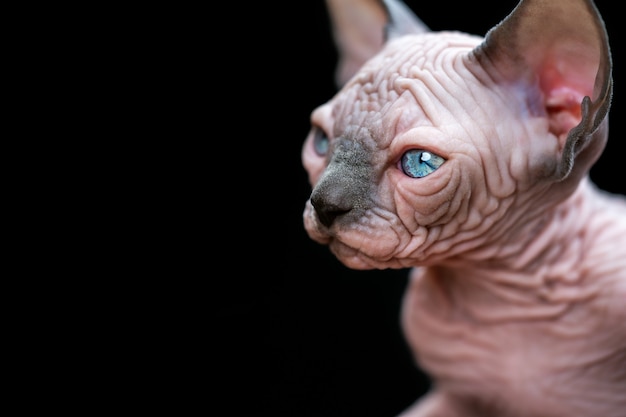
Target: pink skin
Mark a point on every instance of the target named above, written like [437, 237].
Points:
[516, 305]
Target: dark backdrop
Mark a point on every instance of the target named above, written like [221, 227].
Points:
[296, 333]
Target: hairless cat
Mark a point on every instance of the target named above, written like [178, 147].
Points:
[466, 159]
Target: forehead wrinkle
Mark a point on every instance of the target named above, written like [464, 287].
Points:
[421, 59]
[441, 90]
[364, 106]
[426, 51]
[422, 95]
[387, 105]
[356, 117]
[410, 65]
[404, 114]
[479, 111]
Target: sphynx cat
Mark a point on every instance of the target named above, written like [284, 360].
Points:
[466, 159]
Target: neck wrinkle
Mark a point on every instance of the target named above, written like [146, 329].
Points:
[538, 274]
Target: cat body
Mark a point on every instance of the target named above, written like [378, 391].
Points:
[466, 159]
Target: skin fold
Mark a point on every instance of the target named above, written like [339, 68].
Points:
[466, 159]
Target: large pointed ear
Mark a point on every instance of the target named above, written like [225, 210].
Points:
[560, 47]
[361, 28]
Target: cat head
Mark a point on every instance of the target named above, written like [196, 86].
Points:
[438, 142]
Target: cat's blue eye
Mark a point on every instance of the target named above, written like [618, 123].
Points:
[320, 142]
[418, 163]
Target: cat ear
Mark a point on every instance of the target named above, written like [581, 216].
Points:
[559, 47]
[361, 28]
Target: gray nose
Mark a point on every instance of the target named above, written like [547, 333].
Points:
[343, 189]
[329, 206]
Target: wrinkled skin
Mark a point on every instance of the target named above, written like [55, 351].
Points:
[517, 299]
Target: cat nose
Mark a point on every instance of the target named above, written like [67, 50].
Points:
[344, 186]
[327, 211]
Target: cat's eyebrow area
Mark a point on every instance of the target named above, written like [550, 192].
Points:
[383, 116]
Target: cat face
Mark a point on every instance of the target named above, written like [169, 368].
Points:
[446, 145]
[414, 158]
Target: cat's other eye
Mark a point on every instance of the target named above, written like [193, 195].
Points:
[418, 163]
[320, 141]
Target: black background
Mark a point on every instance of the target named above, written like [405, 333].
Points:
[296, 333]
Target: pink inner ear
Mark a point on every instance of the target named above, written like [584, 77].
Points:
[563, 97]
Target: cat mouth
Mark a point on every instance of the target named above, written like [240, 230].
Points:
[316, 231]
[372, 242]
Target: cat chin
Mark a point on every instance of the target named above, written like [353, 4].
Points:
[347, 254]
[358, 260]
